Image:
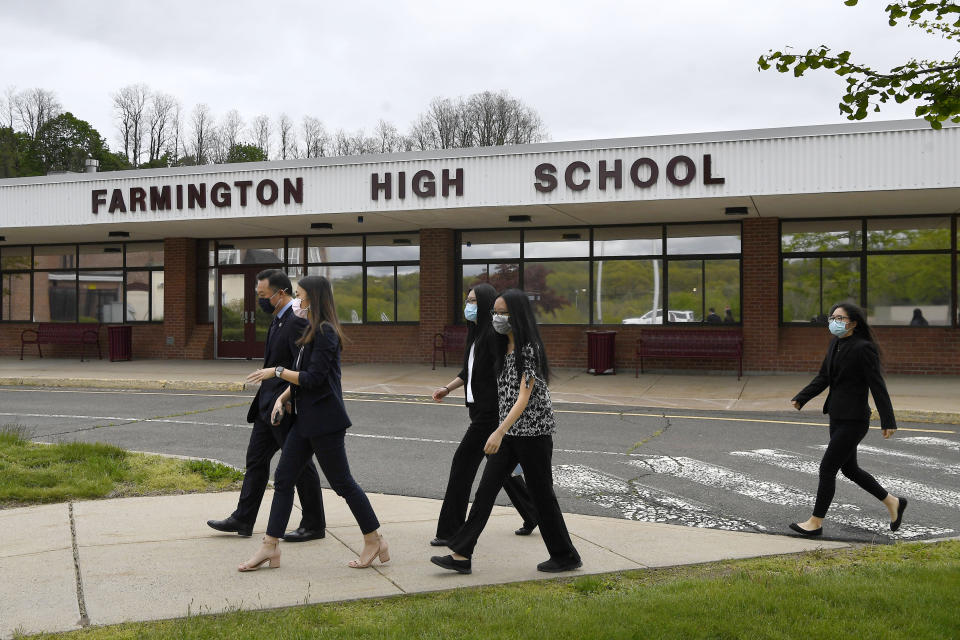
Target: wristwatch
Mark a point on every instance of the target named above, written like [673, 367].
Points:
[278, 371]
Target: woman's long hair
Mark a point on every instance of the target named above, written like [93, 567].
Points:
[523, 323]
[479, 332]
[321, 310]
[857, 315]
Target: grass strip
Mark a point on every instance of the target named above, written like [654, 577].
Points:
[32, 473]
[891, 591]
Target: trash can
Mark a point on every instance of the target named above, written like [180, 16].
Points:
[600, 352]
[121, 338]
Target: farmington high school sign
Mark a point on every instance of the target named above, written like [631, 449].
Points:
[577, 175]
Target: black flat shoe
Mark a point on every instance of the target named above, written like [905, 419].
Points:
[558, 566]
[804, 532]
[525, 530]
[438, 542]
[449, 562]
[302, 534]
[231, 525]
[900, 509]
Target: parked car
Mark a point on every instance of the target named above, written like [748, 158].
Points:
[656, 317]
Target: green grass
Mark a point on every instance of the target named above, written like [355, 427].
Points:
[896, 591]
[32, 473]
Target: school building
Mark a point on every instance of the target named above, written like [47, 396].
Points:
[760, 231]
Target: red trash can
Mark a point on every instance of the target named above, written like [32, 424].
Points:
[121, 339]
[600, 352]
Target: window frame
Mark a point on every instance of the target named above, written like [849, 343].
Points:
[592, 259]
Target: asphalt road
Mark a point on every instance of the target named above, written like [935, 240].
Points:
[749, 471]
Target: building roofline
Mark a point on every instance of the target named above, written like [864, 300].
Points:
[740, 135]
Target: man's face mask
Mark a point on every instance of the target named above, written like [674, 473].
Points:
[267, 303]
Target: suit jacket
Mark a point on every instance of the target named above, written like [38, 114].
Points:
[850, 373]
[483, 381]
[279, 351]
[318, 399]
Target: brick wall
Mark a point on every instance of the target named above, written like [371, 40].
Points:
[761, 299]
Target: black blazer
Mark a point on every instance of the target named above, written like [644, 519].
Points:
[318, 399]
[279, 351]
[854, 370]
[483, 382]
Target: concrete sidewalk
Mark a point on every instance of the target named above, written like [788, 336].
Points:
[915, 398]
[109, 561]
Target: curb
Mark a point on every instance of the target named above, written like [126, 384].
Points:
[939, 417]
[112, 383]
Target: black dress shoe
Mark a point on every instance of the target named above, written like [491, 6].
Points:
[302, 534]
[231, 525]
[525, 530]
[557, 566]
[804, 532]
[900, 509]
[449, 562]
[438, 542]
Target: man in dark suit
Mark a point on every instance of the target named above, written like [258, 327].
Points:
[273, 291]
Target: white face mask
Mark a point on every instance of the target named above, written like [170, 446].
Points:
[300, 312]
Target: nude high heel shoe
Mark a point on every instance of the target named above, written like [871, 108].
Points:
[383, 553]
[272, 559]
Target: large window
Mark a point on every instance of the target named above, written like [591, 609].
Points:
[612, 275]
[96, 283]
[375, 277]
[900, 270]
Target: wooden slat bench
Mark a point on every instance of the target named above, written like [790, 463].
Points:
[691, 343]
[62, 333]
[452, 340]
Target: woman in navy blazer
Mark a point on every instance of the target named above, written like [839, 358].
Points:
[320, 423]
[850, 369]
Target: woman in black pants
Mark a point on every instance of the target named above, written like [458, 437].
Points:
[480, 379]
[320, 424]
[524, 435]
[850, 368]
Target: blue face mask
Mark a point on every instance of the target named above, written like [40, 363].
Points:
[470, 312]
[838, 328]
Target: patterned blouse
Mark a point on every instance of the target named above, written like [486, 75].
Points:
[537, 419]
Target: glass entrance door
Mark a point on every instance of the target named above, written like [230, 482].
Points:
[242, 326]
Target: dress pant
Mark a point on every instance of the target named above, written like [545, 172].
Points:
[265, 441]
[463, 470]
[332, 456]
[534, 454]
[841, 455]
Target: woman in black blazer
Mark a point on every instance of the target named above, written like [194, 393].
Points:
[320, 423]
[480, 378]
[850, 368]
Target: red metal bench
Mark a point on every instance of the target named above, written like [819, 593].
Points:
[452, 340]
[62, 333]
[690, 343]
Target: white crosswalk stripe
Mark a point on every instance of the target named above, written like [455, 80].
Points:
[771, 492]
[932, 442]
[898, 486]
[924, 462]
[636, 502]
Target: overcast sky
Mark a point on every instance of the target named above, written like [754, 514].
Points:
[592, 69]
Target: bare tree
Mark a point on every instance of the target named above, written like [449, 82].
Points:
[288, 142]
[421, 134]
[316, 140]
[201, 121]
[386, 138]
[445, 118]
[34, 107]
[130, 105]
[483, 119]
[260, 133]
[159, 125]
[176, 142]
[230, 129]
[8, 106]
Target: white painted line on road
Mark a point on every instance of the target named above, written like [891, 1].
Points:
[898, 486]
[773, 493]
[641, 503]
[933, 442]
[923, 462]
